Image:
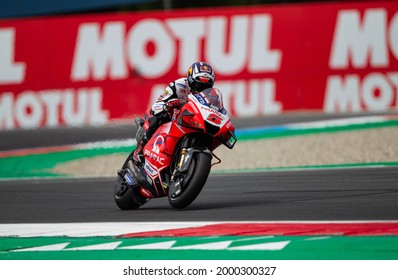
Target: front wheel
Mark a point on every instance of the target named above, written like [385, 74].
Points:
[194, 180]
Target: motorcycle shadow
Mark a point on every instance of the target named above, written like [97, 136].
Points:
[196, 206]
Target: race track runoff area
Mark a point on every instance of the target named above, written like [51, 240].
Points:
[288, 250]
[202, 241]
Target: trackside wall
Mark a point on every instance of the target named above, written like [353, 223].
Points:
[94, 69]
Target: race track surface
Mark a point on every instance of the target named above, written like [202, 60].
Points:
[318, 195]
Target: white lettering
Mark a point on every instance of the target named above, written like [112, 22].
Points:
[270, 105]
[151, 65]
[342, 95]
[95, 113]
[29, 111]
[247, 99]
[377, 92]
[250, 98]
[98, 54]
[189, 32]
[154, 156]
[71, 115]
[52, 101]
[393, 35]
[257, 98]
[10, 72]
[374, 92]
[6, 117]
[151, 46]
[52, 108]
[360, 43]
[262, 59]
[394, 79]
[233, 61]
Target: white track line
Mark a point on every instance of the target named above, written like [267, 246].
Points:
[114, 229]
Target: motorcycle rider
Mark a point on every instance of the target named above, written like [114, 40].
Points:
[200, 76]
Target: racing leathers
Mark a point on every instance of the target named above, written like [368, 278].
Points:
[174, 96]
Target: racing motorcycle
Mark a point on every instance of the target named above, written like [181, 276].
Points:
[178, 157]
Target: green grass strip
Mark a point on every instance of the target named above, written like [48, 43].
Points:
[38, 165]
[309, 167]
[258, 134]
[298, 248]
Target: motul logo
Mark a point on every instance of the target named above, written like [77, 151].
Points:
[359, 42]
[112, 50]
[52, 108]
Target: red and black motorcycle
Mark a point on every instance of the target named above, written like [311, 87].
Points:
[178, 157]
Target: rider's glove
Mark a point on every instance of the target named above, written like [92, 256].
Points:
[172, 103]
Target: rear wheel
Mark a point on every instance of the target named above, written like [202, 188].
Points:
[127, 197]
[193, 181]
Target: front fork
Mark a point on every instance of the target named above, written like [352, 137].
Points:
[180, 173]
[183, 163]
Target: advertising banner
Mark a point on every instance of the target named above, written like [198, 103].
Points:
[93, 69]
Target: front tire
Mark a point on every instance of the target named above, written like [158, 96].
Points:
[194, 181]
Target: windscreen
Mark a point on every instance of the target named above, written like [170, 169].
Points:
[212, 98]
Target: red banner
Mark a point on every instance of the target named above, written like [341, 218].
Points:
[86, 70]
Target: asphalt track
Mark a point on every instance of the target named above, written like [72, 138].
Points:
[340, 194]
[311, 195]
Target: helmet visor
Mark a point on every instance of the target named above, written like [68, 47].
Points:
[200, 86]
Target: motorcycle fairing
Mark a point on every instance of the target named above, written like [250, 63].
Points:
[217, 122]
[192, 117]
[154, 178]
[158, 153]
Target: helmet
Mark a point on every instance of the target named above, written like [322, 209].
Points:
[200, 76]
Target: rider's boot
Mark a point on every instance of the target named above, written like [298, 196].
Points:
[138, 154]
[143, 135]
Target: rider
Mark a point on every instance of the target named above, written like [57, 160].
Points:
[200, 76]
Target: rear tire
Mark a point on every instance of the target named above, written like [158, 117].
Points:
[127, 197]
[200, 168]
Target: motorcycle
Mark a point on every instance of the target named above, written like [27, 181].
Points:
[178, 158]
